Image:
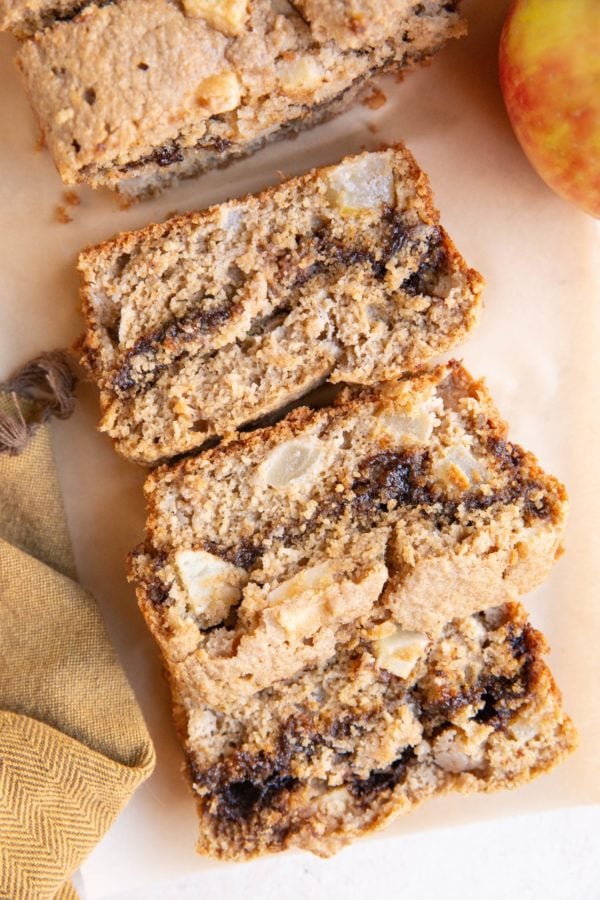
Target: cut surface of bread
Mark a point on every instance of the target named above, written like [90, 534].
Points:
[213, 320]
[134, 95]
[387, 720]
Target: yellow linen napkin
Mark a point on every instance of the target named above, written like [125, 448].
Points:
[73, 743]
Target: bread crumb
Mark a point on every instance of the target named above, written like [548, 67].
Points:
[71, 198]
[62, 215]
[40, 141]
[125, 202]
[375, 100]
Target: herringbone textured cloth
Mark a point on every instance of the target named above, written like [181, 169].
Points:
[73, 744]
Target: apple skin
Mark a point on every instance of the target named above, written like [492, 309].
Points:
[550, 79]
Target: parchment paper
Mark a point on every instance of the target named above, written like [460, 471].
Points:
[537, 344]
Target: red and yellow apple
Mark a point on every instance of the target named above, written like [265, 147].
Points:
[550, 79]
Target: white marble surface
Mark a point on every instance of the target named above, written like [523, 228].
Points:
[547, 856]
[537, 346]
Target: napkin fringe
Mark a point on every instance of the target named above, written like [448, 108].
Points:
[42, 388]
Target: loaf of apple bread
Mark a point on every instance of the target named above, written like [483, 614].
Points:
[135, 94]
[210, 321]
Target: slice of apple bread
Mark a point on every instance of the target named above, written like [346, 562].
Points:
[136, 95]
[403, 500]
[385, 720]
[213, 320]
